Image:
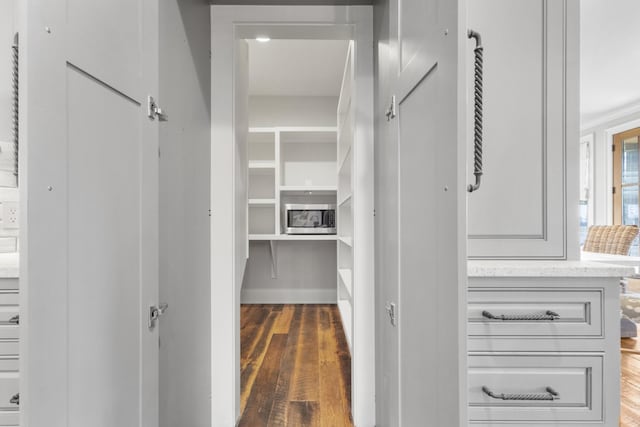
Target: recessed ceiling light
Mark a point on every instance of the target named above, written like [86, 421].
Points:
[263, 39]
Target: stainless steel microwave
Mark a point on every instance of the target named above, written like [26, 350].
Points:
[309, 219]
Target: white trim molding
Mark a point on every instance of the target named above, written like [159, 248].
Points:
[289, 296]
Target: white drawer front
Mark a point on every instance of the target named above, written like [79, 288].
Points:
[9, 283]
[577, 380]
[9, 386]
[8, 310]
[9, 348]
[579, 312]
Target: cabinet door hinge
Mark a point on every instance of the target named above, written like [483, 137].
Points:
[392, 312]
[391, 111]
[154, 110]
[613, 190]
[613, 147]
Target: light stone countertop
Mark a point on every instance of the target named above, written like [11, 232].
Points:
[9, 265]
[522, 268]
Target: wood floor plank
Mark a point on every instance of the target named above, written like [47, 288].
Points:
[249, 333]
[312, 386]
[303, 414]
[305, 382]
[278, 417]
[249, 366]
[258, 409]
[630, 383]
[283, 323]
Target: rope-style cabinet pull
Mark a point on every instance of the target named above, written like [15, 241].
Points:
[478, 114]
[547, 315]
[550, 394]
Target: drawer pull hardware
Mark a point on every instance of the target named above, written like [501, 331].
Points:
[478, 109]
[15, 320]
[15, 399]
[548, 315]
[551, 394]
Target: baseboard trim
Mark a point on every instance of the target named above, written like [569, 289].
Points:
[288, 296]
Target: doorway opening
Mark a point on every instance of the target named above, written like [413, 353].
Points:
[296, 149]
[295, 359]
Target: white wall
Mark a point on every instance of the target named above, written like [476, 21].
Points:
[306, 271]
[600, 129]
[265, 111]
[185, 330]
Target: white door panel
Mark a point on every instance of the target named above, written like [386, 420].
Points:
[529, 110]
[418, 219]
[103, 249]
[422, 362]
[90, 183]
[104, 39]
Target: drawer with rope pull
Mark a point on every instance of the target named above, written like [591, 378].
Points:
[535, 388]
[530, 312]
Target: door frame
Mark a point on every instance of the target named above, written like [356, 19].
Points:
[609, 134]
[303, 22]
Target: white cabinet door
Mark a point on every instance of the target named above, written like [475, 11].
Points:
[524, 208]
[90, 248]
[421, 217]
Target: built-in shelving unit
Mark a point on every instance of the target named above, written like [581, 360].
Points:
[345, 197]
[289, 165]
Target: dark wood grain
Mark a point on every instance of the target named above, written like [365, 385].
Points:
[296, 367]
[303, 414]
[260, 400]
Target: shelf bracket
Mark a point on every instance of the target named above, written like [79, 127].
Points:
[274, 258]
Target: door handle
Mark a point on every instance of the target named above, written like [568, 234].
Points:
[155, 311]
[478, 110]
[15, 399]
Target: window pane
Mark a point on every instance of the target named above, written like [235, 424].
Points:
[630, 161]
[584, 220]
[630, 205]
[630, 212]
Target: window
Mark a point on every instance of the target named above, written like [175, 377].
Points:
[585, 186]
[626, 180]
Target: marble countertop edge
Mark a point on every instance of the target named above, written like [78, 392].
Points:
[526, 268]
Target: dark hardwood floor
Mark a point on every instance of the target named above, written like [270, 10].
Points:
[630, 383]
[295, 367]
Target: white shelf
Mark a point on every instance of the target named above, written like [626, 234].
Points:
[345, 199]
[346, 240]
[262, 202]
[262, 164]
[345, 277]
[309, 190]
[294, 237]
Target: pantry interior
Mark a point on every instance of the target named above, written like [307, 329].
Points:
[306, 145]
[299, 154]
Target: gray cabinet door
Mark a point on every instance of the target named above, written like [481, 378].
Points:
[90, 182]
[420, 215]
[526, 205]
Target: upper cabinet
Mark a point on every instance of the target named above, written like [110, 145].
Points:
[525, 206]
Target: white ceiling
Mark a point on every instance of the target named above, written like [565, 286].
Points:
[609, 55]
[296, 67]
